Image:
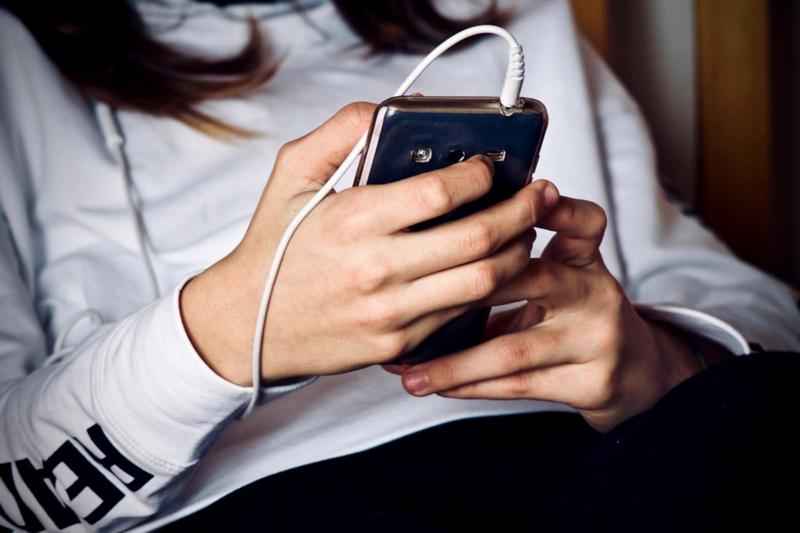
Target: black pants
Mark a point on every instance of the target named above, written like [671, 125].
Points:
[719, 452]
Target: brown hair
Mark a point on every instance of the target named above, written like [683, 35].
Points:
[105, 48]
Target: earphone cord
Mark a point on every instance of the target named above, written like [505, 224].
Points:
[115, 141]
[111, 129]
[509, 96]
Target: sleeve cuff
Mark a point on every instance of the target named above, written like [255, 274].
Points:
[158, 394]
[697, 322]
[267, 392]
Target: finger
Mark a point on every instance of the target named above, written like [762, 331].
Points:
[421, 328]
[398, 341]
[465, 283]
[396, 206]
[513, 320]
[395, 369]
[313, 158]
[500, 323]
[579, 227]
[546, 384]
[533, 348]
[474, 236]
[543, 282]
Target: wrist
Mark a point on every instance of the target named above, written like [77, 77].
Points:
[218, 315]
[676, 352]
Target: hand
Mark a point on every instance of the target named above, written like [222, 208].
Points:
[355, 287]
[577, 340]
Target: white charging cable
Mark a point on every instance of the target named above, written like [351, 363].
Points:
[509, 96]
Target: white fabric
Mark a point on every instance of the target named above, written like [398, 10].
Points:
[67, 243]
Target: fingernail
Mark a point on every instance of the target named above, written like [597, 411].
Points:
[550, 195]
[415, 381]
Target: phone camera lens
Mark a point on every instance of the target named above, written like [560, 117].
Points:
[456, 156]
[421, 155]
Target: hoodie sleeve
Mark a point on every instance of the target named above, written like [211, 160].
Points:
[106, 435]
[101, 438]
[676, 270]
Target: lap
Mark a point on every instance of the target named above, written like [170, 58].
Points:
[448, 478]
[710, 451]
[717, 452]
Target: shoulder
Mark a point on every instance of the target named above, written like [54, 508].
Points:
[8, 24]
[34, 98]
[27, 76]
[33, 94]
[17, 45]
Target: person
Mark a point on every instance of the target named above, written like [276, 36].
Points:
[136, 234]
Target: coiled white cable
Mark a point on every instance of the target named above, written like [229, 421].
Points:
[509, 96]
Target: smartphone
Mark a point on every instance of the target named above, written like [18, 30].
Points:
[410, 135]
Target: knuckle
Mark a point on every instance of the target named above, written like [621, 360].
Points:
[597, 219]
[512, 356]
[369, 276]
[386, 317]
[354, 116]
[486, 280]
[570, 213]
[388, 346]
[519, 384]
[481, 238]
[434, 194]
[529, 206]
[346, 229]
[356, 113]
[480, 172]
[377, 315]
[287, 150]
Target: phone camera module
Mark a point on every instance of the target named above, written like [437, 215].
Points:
[456, 156]
[421, 155]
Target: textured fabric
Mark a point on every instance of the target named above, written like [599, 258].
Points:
[131, 427]
[717, 453]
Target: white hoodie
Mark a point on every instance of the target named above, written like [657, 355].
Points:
[131, 427]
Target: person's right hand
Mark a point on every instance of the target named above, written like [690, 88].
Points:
[355, 287]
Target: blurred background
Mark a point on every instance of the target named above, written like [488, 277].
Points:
[718, 83]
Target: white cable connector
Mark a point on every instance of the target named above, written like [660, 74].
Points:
[515, 75]
[509, 97]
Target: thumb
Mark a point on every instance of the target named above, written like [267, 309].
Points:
[305, 163]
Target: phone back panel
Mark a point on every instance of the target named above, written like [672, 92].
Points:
[446, 126]
[449, 127]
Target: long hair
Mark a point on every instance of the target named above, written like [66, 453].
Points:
[105, 48]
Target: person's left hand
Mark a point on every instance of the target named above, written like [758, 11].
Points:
[578, 340]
